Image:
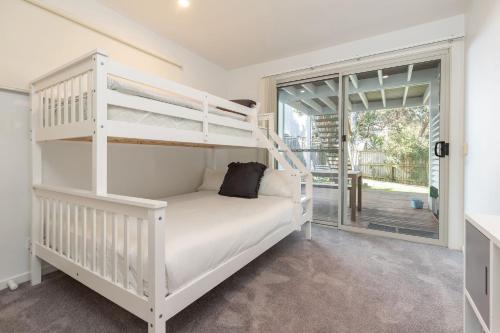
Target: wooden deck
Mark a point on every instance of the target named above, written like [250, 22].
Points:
[382, 210]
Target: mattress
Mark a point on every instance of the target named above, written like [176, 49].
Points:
[202, 231]
[129, 88]
[128, 115]
[117, 113]
[154, 119]
[205, 229]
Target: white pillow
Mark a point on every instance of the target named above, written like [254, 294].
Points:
[212, 180]
[275, 183]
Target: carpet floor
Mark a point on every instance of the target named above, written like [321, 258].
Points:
[338, 282]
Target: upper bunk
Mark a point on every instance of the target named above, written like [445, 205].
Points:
[95, 95]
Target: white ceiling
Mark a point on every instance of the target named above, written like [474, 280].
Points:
[236, 33]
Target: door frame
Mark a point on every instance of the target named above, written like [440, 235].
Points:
[432, 51]
[444, 56]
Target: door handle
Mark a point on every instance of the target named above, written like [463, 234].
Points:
[444, 149]
[486, 280]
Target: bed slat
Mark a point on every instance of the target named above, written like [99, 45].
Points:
[47, 232]
[68, 231]
[61, 228]
[115, 248]
[40, 109]
[52, 105]
[75, 234]
[84, 241]
[73, 97]
[140, 287]
[42, 224]
[103, 244]
[125, 252]
[89, 96]
[94, 240]
[80, 96]
[57, 107]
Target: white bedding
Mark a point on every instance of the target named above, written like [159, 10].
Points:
[154, 119]
[203, 230]
[142, 91]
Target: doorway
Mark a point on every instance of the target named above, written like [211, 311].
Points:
[308, 122]
[374, 138]
[393, 150]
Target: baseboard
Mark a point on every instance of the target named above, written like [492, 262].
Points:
[25, 277]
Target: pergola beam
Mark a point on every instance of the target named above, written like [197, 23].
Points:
[426, 96]
[422, 77]
[309, 87]
[362, 95]
[410, 72]
[405, 95]
[380, 77]
[354, 80]
[328, 103]
[332, 85]
[315, 106]
[309, 102]
[408, 79]
[316, 98]
[381, 82]
[390, 104]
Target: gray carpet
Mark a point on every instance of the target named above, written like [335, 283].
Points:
[338, 282]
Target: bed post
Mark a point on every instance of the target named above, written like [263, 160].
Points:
[157, 282]
[36, 178]
[99, 114]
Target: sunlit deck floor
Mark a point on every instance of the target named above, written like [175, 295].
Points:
[381, 210]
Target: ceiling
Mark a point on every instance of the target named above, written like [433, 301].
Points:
[236, 33]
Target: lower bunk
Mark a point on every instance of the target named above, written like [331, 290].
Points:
[151, 259]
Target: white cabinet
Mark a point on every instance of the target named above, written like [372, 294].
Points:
[482, 274]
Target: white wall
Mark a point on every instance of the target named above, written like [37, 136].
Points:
[35, 41]
[134, 170]
[245, 81]
[15, 188]
[482, 164]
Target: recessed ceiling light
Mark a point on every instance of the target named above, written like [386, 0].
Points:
[183, 3]
[385, 76]
[302, 91]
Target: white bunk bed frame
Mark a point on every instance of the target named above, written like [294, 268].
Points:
[56, 210]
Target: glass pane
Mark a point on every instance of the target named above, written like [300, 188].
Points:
[392, 123]
[308, 122]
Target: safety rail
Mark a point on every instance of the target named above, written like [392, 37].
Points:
[113, 243]
[72, 102]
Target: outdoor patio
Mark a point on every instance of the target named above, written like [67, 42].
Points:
[383, 208]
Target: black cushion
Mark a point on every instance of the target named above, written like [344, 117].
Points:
[242, 180]
[245, 102]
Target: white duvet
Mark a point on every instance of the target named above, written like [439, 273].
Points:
[202, 230]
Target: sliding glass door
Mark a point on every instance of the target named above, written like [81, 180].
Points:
[374, 138]
[308, 122]
[394, 150]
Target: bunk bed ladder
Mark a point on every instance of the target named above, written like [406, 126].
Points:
[280, 152]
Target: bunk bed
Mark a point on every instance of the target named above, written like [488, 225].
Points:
[134, 251]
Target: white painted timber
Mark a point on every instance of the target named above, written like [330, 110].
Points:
[56, 206]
